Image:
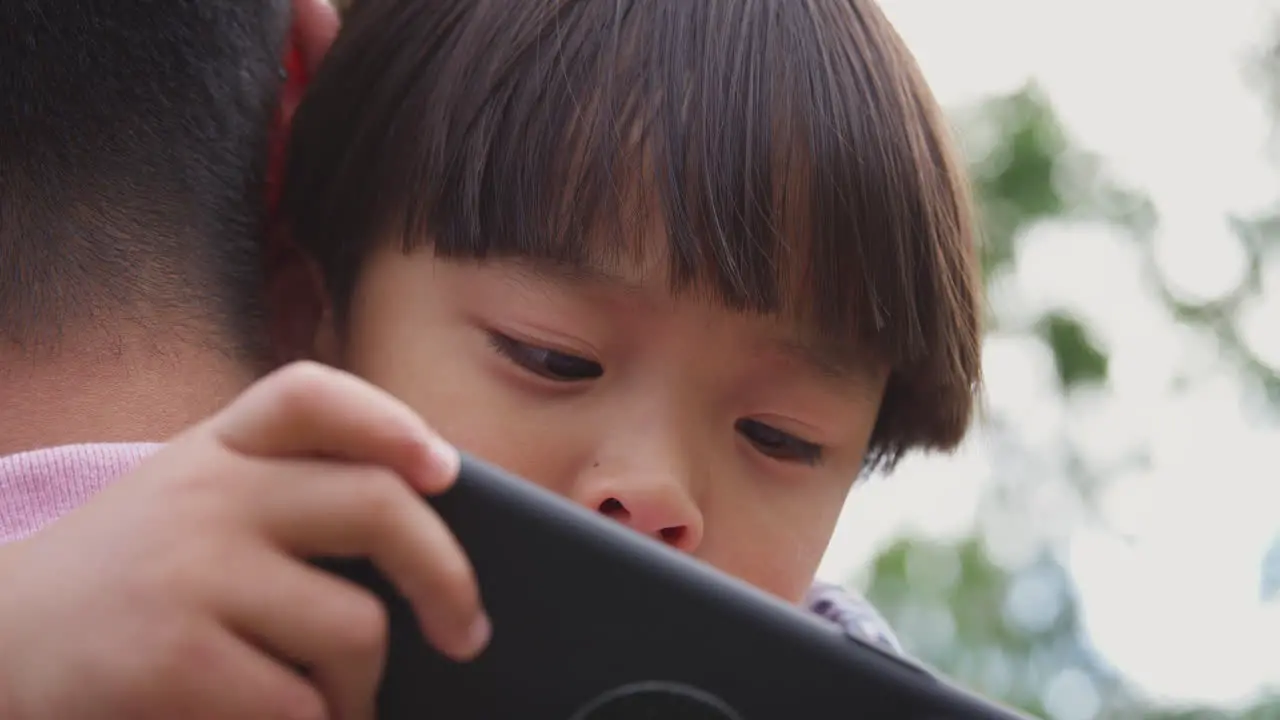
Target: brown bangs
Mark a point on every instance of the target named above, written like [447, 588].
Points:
[796, 160]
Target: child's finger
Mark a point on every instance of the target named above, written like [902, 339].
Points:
[333, 629]
[315, 509]
[310, 410]
[236, 680]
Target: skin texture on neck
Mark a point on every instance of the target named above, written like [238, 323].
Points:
[133, 385]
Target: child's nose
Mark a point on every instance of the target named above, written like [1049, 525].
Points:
[663, 510]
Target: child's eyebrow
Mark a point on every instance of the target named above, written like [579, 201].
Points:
[825, 359]
[842, 368]
[577, 273]
[836, 361]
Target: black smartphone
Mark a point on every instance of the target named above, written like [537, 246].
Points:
[592, 621]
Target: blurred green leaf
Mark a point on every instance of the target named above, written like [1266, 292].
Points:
[1077, 358]
[1022, 169]
[1016, 182]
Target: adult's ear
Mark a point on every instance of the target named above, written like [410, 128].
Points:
[300, 318]
[299, 312]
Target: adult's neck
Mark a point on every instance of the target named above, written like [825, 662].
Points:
[107, 387]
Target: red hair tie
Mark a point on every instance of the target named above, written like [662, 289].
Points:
[295, 84]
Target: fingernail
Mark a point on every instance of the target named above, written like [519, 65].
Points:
[479, 634]
[446, 459]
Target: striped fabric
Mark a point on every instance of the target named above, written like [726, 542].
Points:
[853, 613]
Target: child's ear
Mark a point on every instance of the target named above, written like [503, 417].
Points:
[300, 317]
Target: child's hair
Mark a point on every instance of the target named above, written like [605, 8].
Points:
[132, 146]
[790, 149]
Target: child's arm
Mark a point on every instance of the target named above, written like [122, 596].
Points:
[183, 592]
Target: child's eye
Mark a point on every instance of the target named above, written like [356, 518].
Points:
[778, 444]
[544, 362]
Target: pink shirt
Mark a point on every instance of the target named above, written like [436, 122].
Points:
[41, 486]
[38, 487]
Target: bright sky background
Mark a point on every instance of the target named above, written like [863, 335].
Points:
[1156, 88]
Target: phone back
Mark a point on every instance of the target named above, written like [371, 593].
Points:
[593, 621]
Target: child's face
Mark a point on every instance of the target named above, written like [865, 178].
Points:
[710, 429]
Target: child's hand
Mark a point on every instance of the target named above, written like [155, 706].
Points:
[183, 592]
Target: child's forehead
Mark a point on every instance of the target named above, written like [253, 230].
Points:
[795, 337]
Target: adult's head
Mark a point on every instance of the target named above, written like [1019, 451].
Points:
[133, 147]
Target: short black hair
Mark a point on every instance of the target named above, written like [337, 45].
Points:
[133, 145]
[792, 149]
